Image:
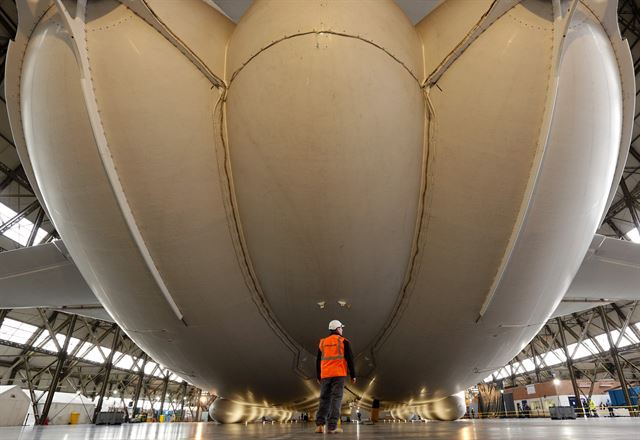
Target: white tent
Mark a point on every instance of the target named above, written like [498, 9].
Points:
[14, 405]
[62, 406]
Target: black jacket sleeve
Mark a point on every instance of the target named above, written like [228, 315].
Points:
[349, 358]
[318, 359]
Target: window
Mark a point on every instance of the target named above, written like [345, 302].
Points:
[517, 367]
[126, 362]
[51, 346]
[603, 341]
[528, 365]
[624, 342]
[44, 336]
[84, 349]
[20, 231]
[589, 345]
[149, 367]
[586, 348]
[581, 352]
[632, 337]
[96, 356]
[559, 353]
[633, 235]
[16, 331]
[554, 357]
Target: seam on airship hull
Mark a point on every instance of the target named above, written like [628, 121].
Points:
[239, 243]
[422, 224]
[428, 181]
[328, 32]
[526, 24]
[163, 29]
[423, 198]
[243, 254]
[476, 31]
[235, 228]
[112, 25]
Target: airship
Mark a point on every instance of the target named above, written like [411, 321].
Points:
[225, 189]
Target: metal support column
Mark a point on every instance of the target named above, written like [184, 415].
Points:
[3, 314]
[184, 396]
[62, 358]
[107, 372]
[572, 373]
[613, 350]
[136, 395]
[198, 405]
[32, 394]
[165, 385]
[535, 361]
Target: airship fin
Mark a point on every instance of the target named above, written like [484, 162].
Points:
[610, 272]
[29, 13]
[46, 276]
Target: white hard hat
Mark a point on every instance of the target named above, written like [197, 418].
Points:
[335, 324]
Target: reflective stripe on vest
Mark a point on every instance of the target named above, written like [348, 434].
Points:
[332, 361]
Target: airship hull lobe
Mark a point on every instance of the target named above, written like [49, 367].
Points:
[90, 220]
[327, 154]
[526, 210]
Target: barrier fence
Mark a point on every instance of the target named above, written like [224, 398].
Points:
[609, 411]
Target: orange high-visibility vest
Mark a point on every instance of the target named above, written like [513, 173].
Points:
[332, 362]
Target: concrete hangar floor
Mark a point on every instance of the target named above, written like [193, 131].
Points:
[526, 429]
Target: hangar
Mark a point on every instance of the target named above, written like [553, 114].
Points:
[192, 190]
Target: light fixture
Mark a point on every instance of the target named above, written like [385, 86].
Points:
[556, 381]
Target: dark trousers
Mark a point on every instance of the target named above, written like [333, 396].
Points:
[331, 389]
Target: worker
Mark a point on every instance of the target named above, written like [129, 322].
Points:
[333, 363]
[375, 410]
[593, 408]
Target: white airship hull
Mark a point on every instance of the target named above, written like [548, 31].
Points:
[227, 191]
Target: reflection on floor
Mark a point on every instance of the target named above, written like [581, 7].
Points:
[528, 429]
